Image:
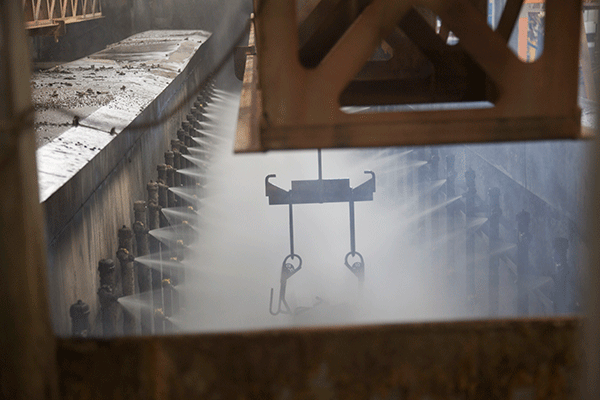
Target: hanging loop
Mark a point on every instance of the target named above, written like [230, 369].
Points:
[358, 266]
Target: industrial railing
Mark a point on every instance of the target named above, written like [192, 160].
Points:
[49, 17]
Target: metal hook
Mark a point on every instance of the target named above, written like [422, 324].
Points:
[358, 267]
[287, 270]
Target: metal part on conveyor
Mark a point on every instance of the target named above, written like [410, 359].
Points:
[287, 271]
[318, 191]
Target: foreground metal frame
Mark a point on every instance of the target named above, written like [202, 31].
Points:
[300, 107]
[478, 359]
[469, 360]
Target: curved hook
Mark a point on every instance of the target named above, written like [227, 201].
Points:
[287, 270]
[269, 177]
[357, 268]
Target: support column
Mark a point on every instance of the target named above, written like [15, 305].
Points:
[451, 213]
[470, 240]
[561, 274]
[494, 247]
[523, 240]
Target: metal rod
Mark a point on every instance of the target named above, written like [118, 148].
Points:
[352, 233]
[143, 271]
[125, 256]
[494, 256]
[291, 213]
[320, 165]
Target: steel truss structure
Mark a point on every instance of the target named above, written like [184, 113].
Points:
[49, 17]
[304, 77]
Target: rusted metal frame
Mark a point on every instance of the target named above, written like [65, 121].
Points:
[27, 344]
[324, 26]
[475, 359]
[447, 60]
[84, 8]
[298, 100]
[250, 109]
[509, 17]
[52, 8]
[36, 14]
[586, 67]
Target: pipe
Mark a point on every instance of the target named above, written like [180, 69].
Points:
[144, 275]
[561, 274]
[163, 202]
[108, 299]
[451, 213]
[494, 245]
[434, 166]
[171, 199]
[523, 241]
[162, 174]
[154, 245]
[125, 256]
[176, 166]
[470, 240]
[80, 323]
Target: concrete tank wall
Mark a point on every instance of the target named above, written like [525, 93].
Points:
[84, 215]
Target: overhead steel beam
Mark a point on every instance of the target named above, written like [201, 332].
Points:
[49, 17]
[301, 107]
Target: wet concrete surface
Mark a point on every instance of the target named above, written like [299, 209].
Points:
[120, 74]
[104, 92]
